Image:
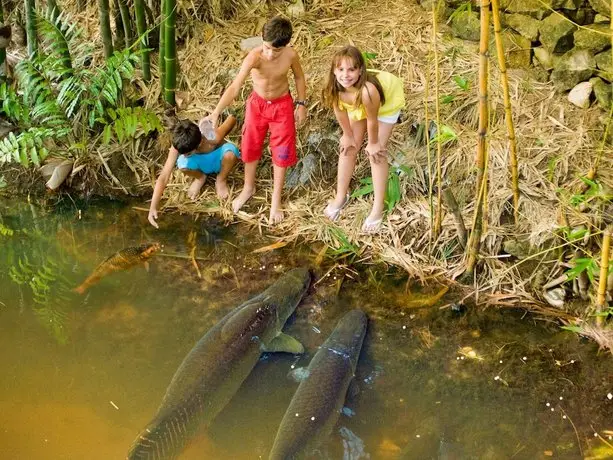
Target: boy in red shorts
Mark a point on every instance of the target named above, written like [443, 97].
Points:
[270, 107]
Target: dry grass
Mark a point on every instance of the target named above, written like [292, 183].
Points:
[557, 142]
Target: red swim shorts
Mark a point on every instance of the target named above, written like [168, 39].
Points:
[277, 116]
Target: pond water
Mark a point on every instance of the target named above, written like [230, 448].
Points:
[83, 374]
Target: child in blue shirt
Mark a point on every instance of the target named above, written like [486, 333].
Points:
[197, 156]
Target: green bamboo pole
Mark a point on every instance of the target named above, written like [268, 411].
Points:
[508, 114]
[105, 27]
[162, 47]
[601, 300]
[475, 237]
[126, 21]
[427, 134]
[30, 13]
[170, 53]
[143, 34]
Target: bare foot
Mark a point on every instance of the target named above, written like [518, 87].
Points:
[242, 198]
[221, 187]
[194, 190]
[276, 216]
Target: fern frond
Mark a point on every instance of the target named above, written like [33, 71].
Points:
[27, 147]
[12, 106]
[130, 123]
[60, 34]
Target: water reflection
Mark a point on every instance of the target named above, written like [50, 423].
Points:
[81, 375]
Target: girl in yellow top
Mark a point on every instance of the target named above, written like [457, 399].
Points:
[363, 102]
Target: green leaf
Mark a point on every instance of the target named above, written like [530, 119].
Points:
[461, 82]
[447, 99]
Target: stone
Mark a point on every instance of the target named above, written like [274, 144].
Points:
[600, 18]
[536, 8]
[544, 58]
[556, 33]
[580, 95]
[525, 25]
[602, 91]
[601, 6]
[517, 50]
[247, 44]
[595, 37]
[581, 16]
[296, 9]
[572, 68]
[465, 25]
[566, 4]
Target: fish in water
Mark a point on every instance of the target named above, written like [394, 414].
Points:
[218, 364]
[122, 260]
[317, 403]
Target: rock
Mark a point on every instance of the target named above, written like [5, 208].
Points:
[602, 91]
[525, 25]
[247, 44]
[600, 18]
[536, 8]
[296, 9]
[518, 248]
[465, 25]
[517, 50]
[544, 58]
[601, 6]
[556, 33]
[580, 95]
[555, 297]
[573, 67]
[603, 62]
[595, 37]
[566, 4]
[581, 16]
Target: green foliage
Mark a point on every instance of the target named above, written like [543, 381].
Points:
[27, 147]
[445, 136]
[594, 190]
[462, 82]
[393, 193]
[461, 8]
[368, 57]
[130, 123]
[11, 105]
[588, 265]
[343, 247]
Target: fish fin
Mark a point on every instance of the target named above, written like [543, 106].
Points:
[237, 322]
[285, 343]
[147, 266]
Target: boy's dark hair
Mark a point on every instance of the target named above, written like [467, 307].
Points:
[186, 136]
[277, 31]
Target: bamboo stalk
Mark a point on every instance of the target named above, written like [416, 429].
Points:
[439, 207]
[30, 13]
[508, 114]
[170, 54]
[428, 150]
[162, 47]
[126, 21]
[2, 49]
[475, 237]
[143, 34]
[604, 274]
[105, 27]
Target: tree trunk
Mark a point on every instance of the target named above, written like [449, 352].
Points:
[2, 49]
[126, 21]
[170, 54]
[162, 47]
[143, 37]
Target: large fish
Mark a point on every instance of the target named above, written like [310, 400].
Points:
[316, 405]
[122, 260]
[218, 364]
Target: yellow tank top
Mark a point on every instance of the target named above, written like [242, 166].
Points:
[394, 97]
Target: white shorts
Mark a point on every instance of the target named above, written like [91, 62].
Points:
[391, 119]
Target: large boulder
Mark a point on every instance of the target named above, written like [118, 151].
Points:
[525, 25]
[602, 91]
[556, 33]
[572, 68]
[601, 6]
[536, 8]
[465, 25]
[595, 37]
[517, 49]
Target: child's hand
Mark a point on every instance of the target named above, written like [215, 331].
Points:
[213, 117]
[153, 215]
[300, 114]
[375, 152]
[347, 143]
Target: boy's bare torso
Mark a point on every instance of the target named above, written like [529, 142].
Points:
[270, 76]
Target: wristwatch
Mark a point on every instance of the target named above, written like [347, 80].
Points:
[302, 103]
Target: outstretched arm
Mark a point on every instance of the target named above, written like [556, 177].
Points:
[232, 91]
[160, 185]
[300, 80]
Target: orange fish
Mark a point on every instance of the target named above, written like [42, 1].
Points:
[122, 260]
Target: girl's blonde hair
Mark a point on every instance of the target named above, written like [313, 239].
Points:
[331, 92]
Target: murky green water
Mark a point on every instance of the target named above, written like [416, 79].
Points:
[82, 375]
